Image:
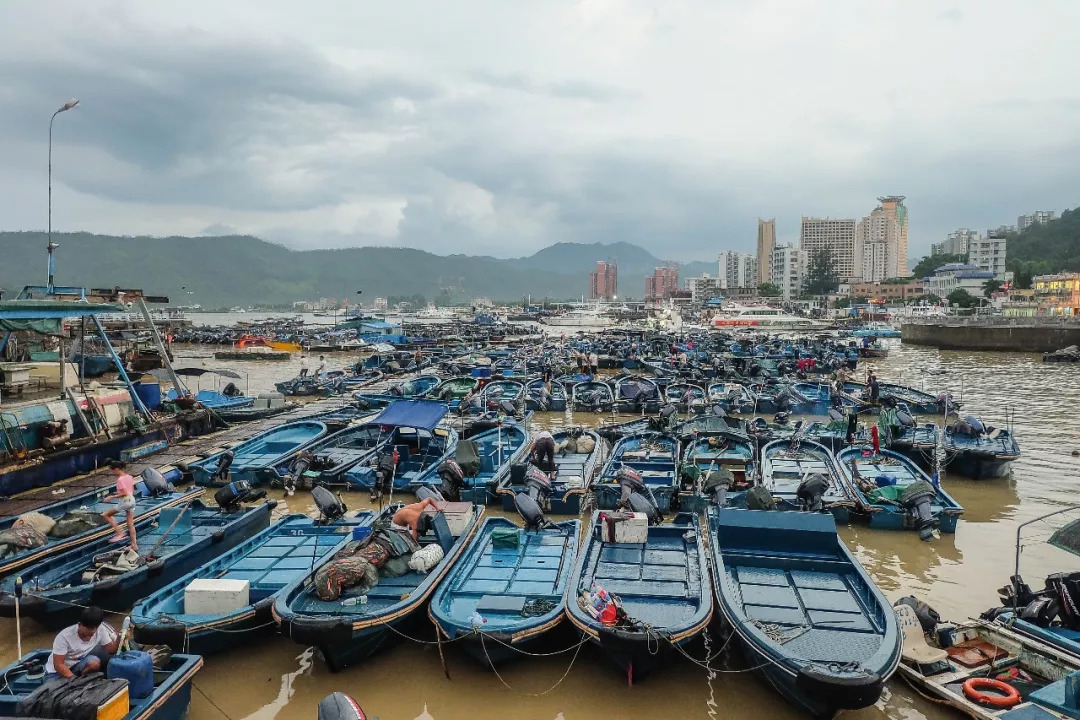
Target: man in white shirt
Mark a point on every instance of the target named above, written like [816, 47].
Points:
[83, 648]
[322, 367]
[594, 363]
[303, 366]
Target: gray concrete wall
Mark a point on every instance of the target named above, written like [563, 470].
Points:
[1024, 335]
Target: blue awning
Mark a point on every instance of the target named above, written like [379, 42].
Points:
[420, 414]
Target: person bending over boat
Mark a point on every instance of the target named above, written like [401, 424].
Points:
[125, 493]
[409, 516]
[84, 647]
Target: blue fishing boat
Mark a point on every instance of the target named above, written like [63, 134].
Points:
[168, 701]
[803, 475]
[917, 401]
[485, 459]
[328, 459]
[253, 460]
[148, 503]
[652, 456]
[893, 493]
[613, 432]
[101, 573]
[722, 449]
[817, 398]
[362, 619]
[452, 390]
[540, 397]
[684, 395]
[501, 597]
[269, 561]
[215, 400]
[578, 453]
[497, 392]
[806, 613]
[636, 394]
[415, 388]
[733, 397]
[592, 396]
[661, 585]
[570, 380]
[977, 451]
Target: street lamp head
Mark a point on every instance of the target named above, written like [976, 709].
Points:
[68, 105]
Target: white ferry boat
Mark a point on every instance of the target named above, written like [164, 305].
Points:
[761, 316]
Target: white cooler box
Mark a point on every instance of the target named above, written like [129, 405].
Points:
[211, 596]
[624, 527]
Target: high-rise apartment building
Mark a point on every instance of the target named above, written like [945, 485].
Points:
[896, 234]
[881, 241]
[661, 284]
[737, 270]
[838, 237]
[988, 254]
[788, 265]
[1035, 218]
[766, 242]
[955, 243]
[604, 281]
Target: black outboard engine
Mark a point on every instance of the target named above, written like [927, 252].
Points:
[330, 506]
[233, 495]
[231, 390]
[1065, 589]
[427, 491]
[904, 418]
[396, 390]
[453, 480]
[300, 465]
[339, 706]
[781, 418]
[835, 415]
[716, 486]
[636, 495]
[385, 467]
[916, 499]
[155, 482]
[508, 407]
[221, 474]
[811, 491]
[531, 503]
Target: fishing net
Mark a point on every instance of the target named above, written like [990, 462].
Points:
[1067, 537]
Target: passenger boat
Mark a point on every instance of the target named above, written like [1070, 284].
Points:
[253, 460]
[684, 395]
[987, 671]
[146, 508]
[491, 453]
[268, 561]
[787, 463]
[592, 396]
[169, 700]
[652, 455]
[889, 488]
[636, 394]
[733, 397]
[662, 586]
[574, 472]
[177, 541]
[539, 397]
[499, 599]
[805, 612]
[358, 624]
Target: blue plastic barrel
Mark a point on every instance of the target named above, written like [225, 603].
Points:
[137, 667]
[150, 394]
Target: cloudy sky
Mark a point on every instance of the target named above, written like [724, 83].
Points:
[499, 127]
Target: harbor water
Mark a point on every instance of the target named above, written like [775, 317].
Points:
[957, 574]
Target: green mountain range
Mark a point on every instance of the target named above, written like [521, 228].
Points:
[244, 270]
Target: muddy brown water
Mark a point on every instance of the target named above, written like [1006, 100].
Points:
[957, 574]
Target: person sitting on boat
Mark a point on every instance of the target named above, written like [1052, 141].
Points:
[125, 493]
[84, 647]
[543, 452]
[409, 516]
[303, 366]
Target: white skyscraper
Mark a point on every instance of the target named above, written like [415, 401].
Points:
[838, 237]
[737, 270]
[788, 265]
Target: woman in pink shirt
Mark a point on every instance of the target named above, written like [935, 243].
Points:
[125, 493]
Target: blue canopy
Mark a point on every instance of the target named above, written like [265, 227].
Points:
[420, 414]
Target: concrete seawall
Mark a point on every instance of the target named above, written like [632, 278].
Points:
[1012, 334]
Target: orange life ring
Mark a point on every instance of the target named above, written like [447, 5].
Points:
[973, 686]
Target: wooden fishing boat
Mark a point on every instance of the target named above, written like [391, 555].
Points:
[574, 472]
[653, 456]
[176, 541]
[881, 483]
[501, 599]
[169, 700]
[253, 460]
[356, 625]
[268, 561]
[804, 611]
[662, 586]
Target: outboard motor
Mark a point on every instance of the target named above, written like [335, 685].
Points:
[300, 465]
[781, 418]
[835, 415]
[904, 418]
[916, 499]
[396, 391]
[231, 390]
[330, 506]
[339, 706]
[427, 491]
[1065, 587]
[636, 495]
[155, 482]
[508, 407]
[221, 474]
[453, 480]
[811, 491]
[385, 468]
[531, 503]
[716, 486]
[233, 495]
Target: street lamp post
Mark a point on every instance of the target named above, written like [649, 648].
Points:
[51, 246]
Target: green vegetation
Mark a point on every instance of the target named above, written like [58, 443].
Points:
[1045, 249]
[992, 286]
[768, 289]
[961, 297]
[930, 263]
[821, 277]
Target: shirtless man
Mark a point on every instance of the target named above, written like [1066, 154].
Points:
[409, 515]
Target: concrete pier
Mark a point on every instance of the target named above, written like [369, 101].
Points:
[1034, 334]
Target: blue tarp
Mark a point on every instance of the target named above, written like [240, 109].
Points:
[421, 414]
